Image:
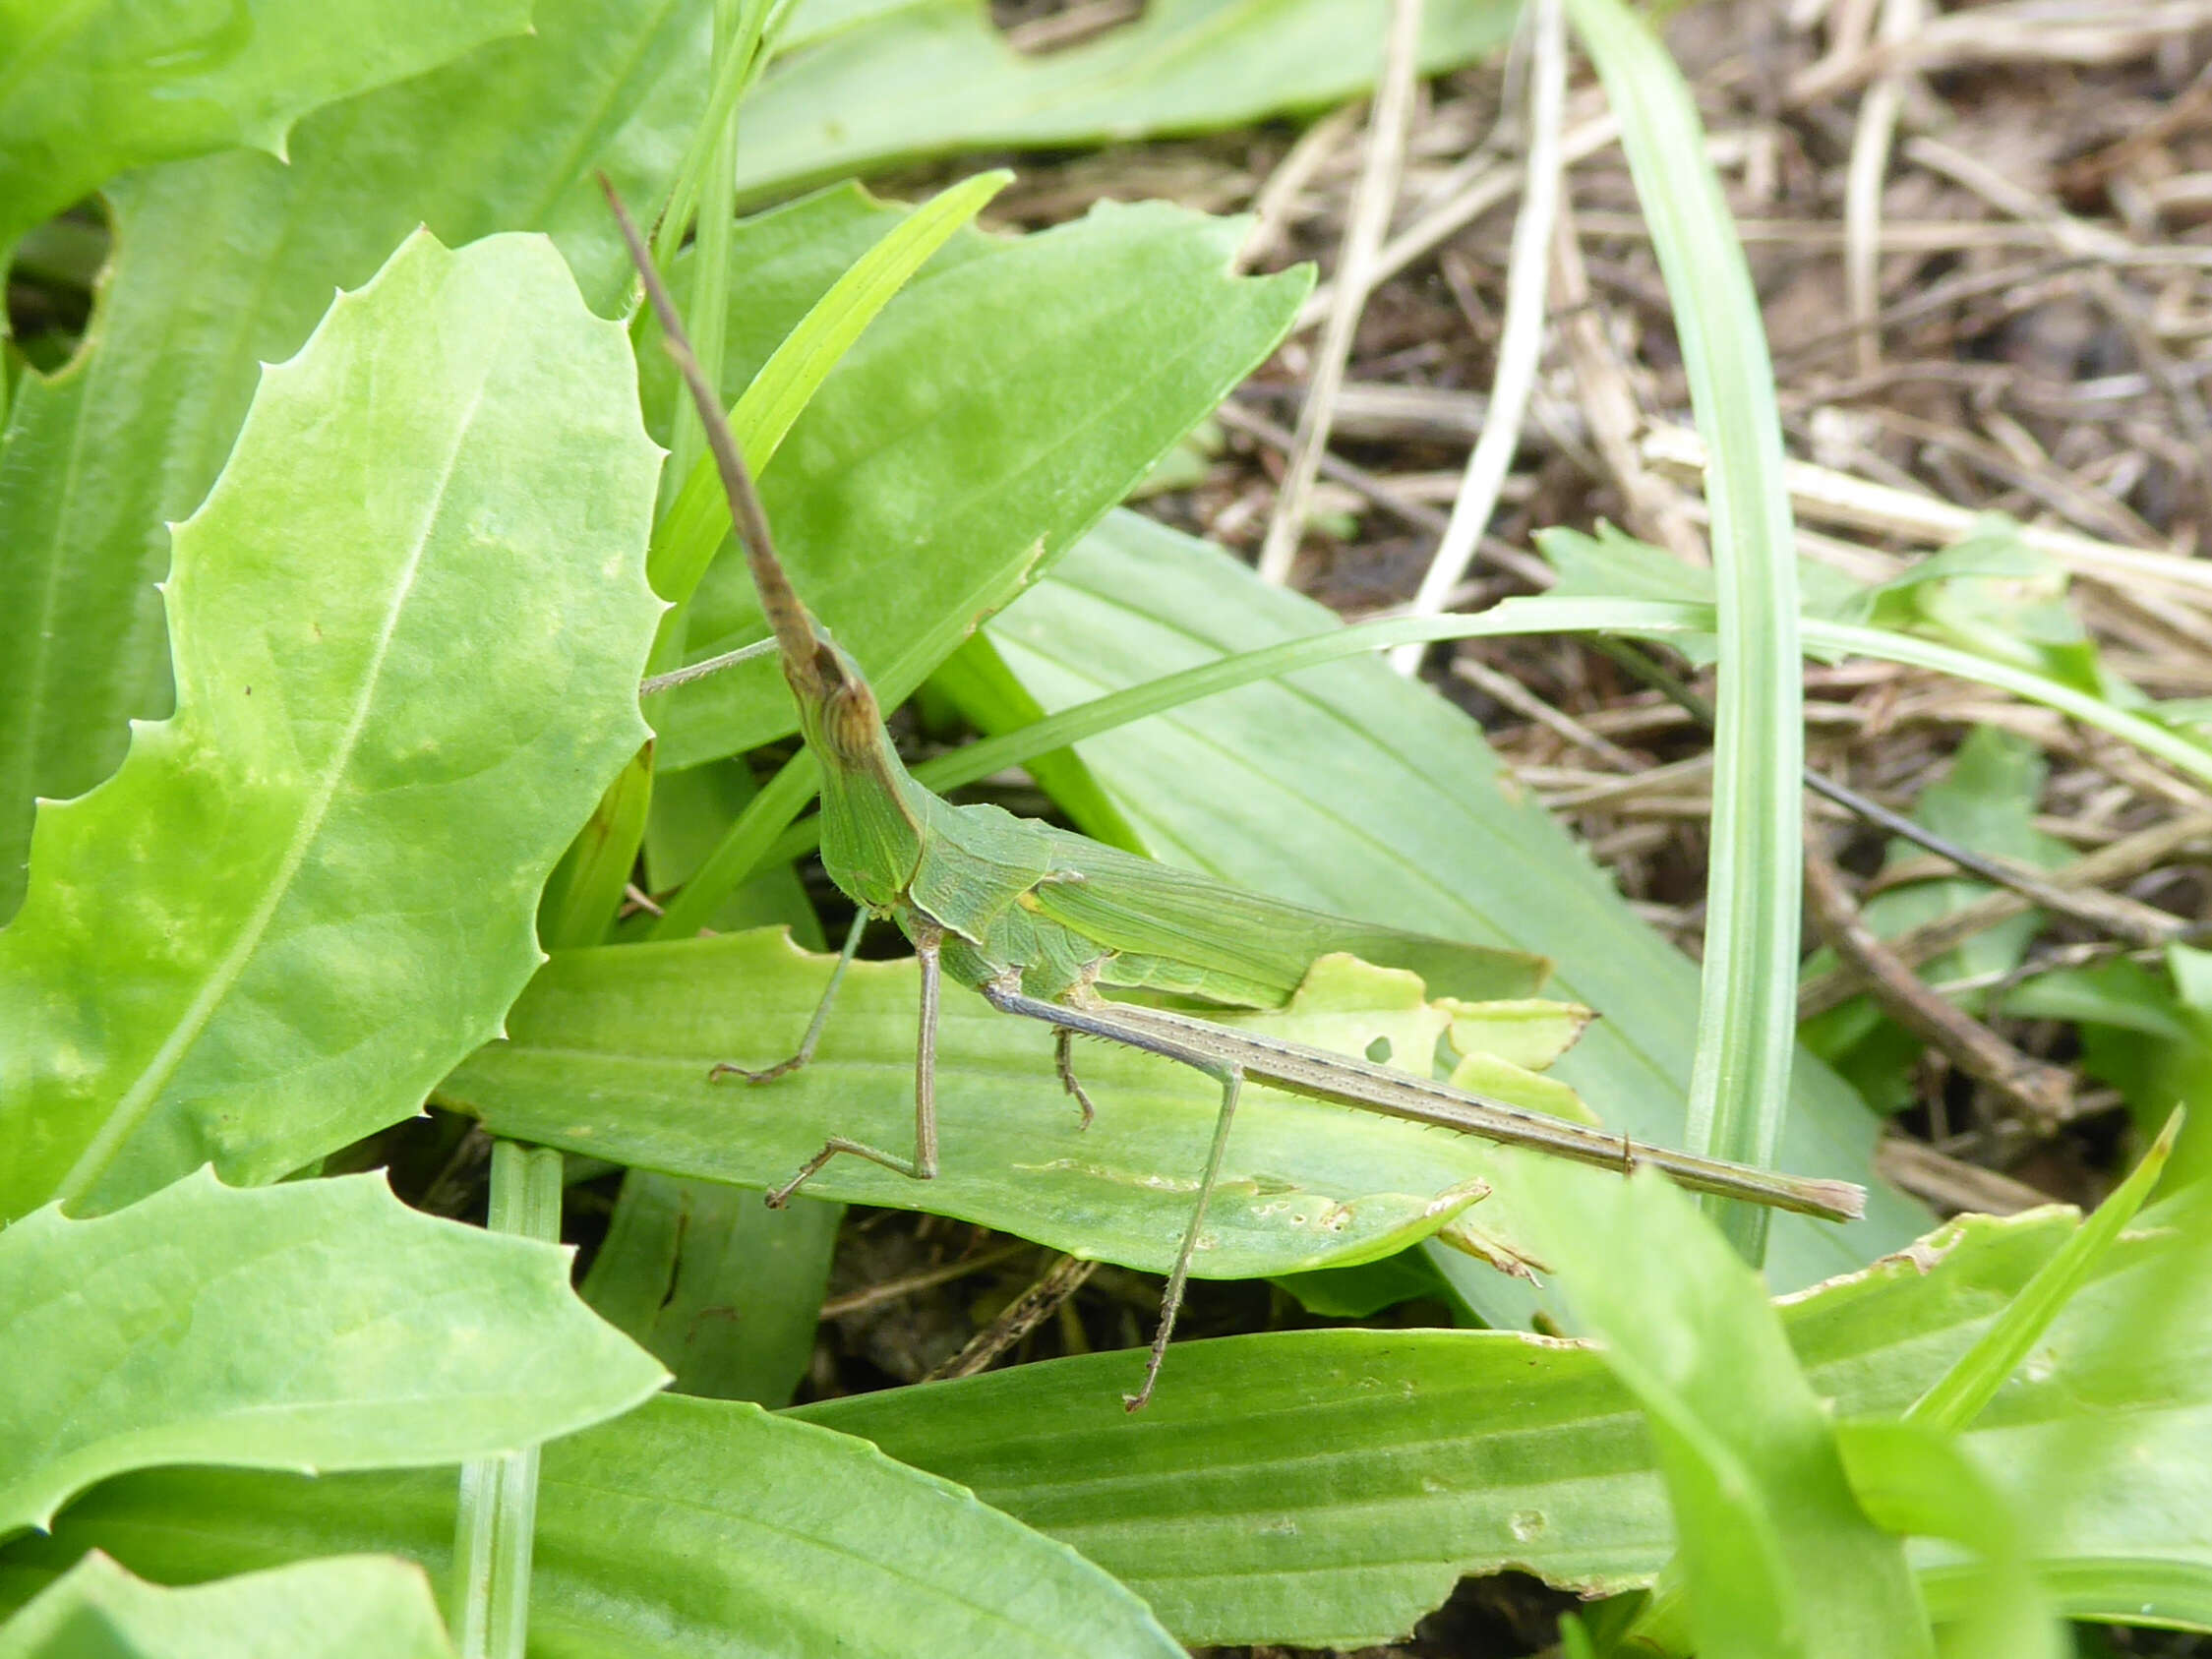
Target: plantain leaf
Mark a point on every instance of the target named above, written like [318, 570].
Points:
[90, 91]
[408, 625]
[227, 262]
[608, 1052]
[657, 1539]
[348, 1607]
[1348, 788]
[928, 77]
[313, 1325]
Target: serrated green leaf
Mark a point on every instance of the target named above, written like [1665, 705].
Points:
[1777, 1557]
[608, 1052]
[993, 411]
[1346, 787]
[1529, 1033]
[348, 1607]
[313, 1325]
[688, 1530]
[936, 76]
[407, 625]
[90, 91]
[228, 262]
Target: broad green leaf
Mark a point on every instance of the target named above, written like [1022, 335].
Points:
[995, 409]
[315, 1324]
[88, 91]
[228, 262]
[1778, 1559]
[608, 1052]
[348, 1607]
[720, 1289]
[688, 1530]
[934, 76]
[1329, 1488]
[1345, 787]
[407, 623]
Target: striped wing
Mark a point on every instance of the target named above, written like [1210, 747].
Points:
[1175, 930]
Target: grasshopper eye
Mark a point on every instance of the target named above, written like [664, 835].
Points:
[851, 722]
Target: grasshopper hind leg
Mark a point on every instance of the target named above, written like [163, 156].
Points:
[1171, 1303]
[923, 1165]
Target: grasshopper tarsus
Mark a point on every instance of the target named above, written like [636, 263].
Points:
[1063, 1060]
[782, 1068]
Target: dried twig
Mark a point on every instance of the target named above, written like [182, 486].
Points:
[926, 1279]
[2062, 889]
[1023, 1315]
[2044, 1092]
[1522, 341]
[1363, 234]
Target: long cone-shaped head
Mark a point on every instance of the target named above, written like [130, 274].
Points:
[872, 839]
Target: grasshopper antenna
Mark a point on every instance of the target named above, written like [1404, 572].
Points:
[797, 637]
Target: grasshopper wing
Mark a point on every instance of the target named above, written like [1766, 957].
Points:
[1175, 930]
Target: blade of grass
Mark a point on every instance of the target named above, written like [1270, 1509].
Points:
[496, 1514]
[1746, 1021]
[1956, 1398]
[769, 839]
[707, 316]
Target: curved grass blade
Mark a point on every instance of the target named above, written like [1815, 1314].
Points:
[408, 623]
[1778, 1559]
[1747, 1016]
[698, 521]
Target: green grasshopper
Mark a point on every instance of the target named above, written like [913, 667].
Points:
[1036, 919]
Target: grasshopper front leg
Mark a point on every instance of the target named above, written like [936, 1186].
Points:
[806, 1043]
[922, 1166]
